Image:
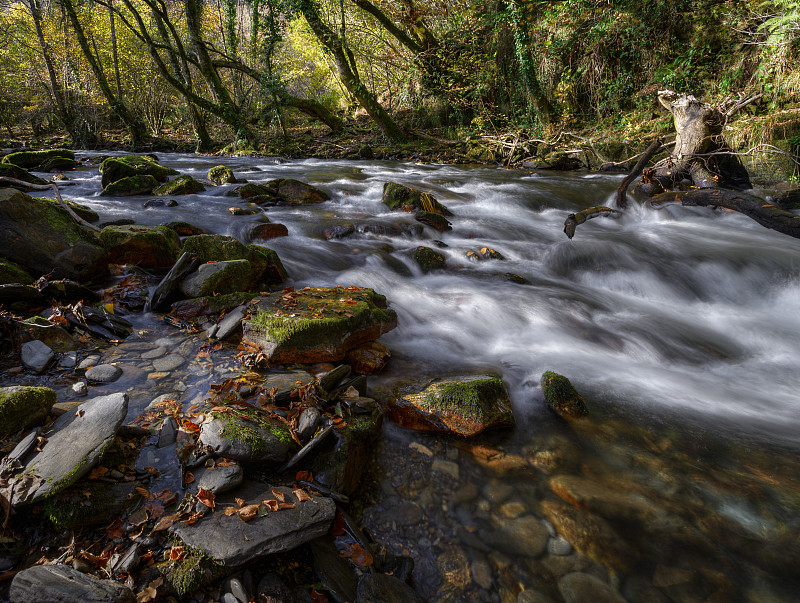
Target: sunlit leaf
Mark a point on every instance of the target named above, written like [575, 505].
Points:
[206, 497]
[248, 512]
[301, 495]
[165, 523]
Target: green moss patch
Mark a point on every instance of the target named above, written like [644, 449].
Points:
[428, 259]
[193, 571]
[23, 406]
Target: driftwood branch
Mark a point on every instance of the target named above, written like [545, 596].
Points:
[766, 214]
[573, 220]
[44, 187]
[621, 200]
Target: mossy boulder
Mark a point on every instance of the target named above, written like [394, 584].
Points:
[251, 191]
[57, 164]
[117, 168]
[212, 304]
[464, 405]
[142, 184]
[319, 324]
[9, 170]
[43, 238]
[194, 570]
[265, 265]
[434, 220]
[24, 406]
[217, 277]
[561, 396]
[403, 198]
[221, 174]
[13, 273]
[428, 259]
[296, 192]
[81, 211]
[184, 229]
[145, 246]
[52, 335]
[182, 185]
[33, 159]
[246, 434]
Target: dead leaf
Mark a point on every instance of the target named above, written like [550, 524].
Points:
[272, 505]
[357, 554]
[138, 518]
[240, 501]
[305, 476]
[165, 522]
[114, 531]
[80, 412]
[176, 553]
[285, 505]
[206, 497]
[228, 511]
[279, 495]
[301, 495]
[193, 518]
[152, 471]
[143, 492]
[98, 472]
[188, 478]
[147, 594]
[248, 512]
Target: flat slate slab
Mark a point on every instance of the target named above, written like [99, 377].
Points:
[231, 541]
[74, 445]
[61, 583]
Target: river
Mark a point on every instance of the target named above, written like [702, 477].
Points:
[680, 327]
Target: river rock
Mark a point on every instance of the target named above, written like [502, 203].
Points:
[16, 172]
[23, 406]
[12, 273]
[428, 259]
[33, 159]
[525, 535]
[578, 587]
[221, 174]
[145, 246]
[40, 236]
[184, 229]
[182, 185]
[231, 541]
[307, 423]
[293, 191]
[368, 358]
[206, 306]
[380, 588]
[465, 405]
[319, 324]
[404, 198]
[246, 434]
[335, 573]
[268, 230]
[52, 335]
[265, 265]
[66, 291]
[168, 363]
[217, 479]
[21, 299]
[104, 373]
[62, 584]
[114, 169]
[437, 221]
[231, 324]
[339, 231]
[57, 164]
[561, 396]
[130, 186]
[217, 277]
[610, 502]
[36, 356]
[75, 442]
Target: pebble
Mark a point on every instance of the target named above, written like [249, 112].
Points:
[481, 573]
[80, 388]
[497, 491]
[168, 363]
[154, 353]
[237, 590]
[89, 361]
[448, 467]
[512, 509]
[406, 514]
[421, 448]
[104, 373]
[559, 546]
[69, 360]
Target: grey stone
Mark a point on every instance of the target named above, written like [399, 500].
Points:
[80, 388]
[75, 442]
[217, 479]
[307, 423]
[89, 361]
[231, 323]
[524, 535]
[104, 373]
[578, 587]
[168, 363]
[36, 356]
[237, 590]
[217, 277]
[236, 438]
[157, 352]
[231, 541]
[559, 546]
[69, 360]
[286, 382]
[381, 588]
[230, 598]
[63, 584]
[167, 432]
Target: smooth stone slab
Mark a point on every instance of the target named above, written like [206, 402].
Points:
[104, 373]
[168, 363]
[231, 541]
[154, 353]
[75, 442]
[61, 583]
[217, 479]
[35, 355]
[231, 323]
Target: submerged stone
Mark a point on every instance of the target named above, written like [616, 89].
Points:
[562, 396]
[399, 197]
[317, 324]
[145, 246]
[182, 185]
[293, 191]
[23, 406]
[463, 406]
[437, 221]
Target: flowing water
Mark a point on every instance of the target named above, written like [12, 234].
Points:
[681, 328]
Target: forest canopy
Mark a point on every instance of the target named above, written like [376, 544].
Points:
[237, 72]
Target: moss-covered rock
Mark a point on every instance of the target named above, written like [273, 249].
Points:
[145, 246]
[399, 197]
[117, 168]
[319, 324]
[217, 277]
[184, 229]
[221, 174]
[182, 185]
[91, 504]
[264, 263]
[23, 406]
[131, 185]
[250, 190]
[43, 238]
[9, 170]
[13, 273]
[52, 335]
[428, 259]
[436, 221]
[191, 572]
[213, 304]
[463, 406]
[293, 191]
[562, 396]
[81, 211]
[57, 164]
[33, 159]
[246, 434]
